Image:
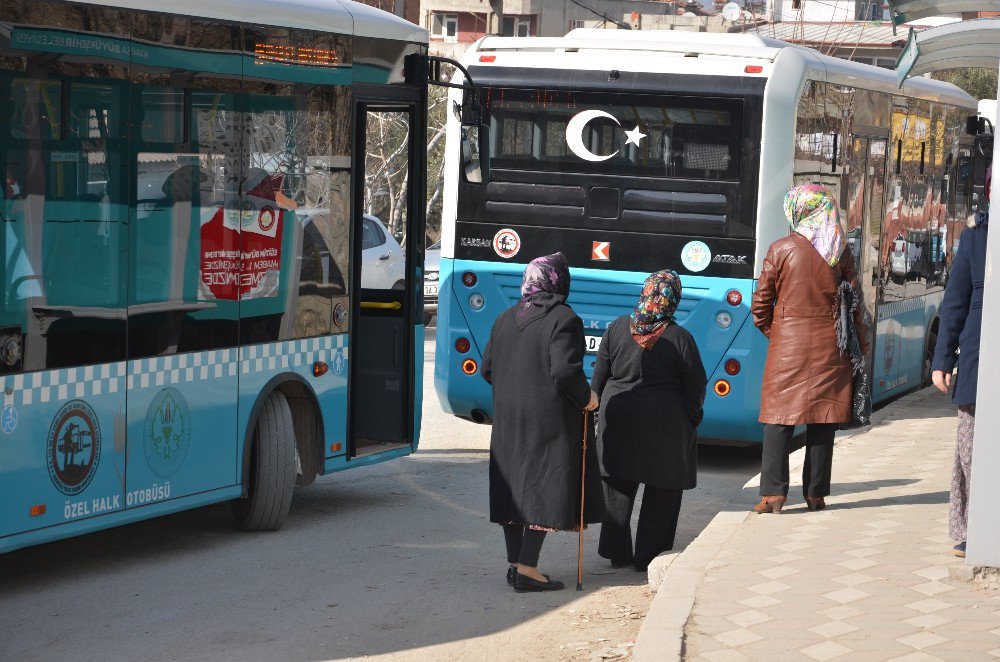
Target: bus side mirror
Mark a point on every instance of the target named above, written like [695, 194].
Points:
[475, 153]
[975, 125]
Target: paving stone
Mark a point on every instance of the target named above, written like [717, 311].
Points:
[738, 637]
[760, 601]
[833, 629]
[750, 618]
[928, 621]
[922, 640]
[827, 650]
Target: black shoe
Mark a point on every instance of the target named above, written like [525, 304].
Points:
[511, 573]
[959, 550]
[523, 584]
[621, 563]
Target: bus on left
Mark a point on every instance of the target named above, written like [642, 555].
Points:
[200, 300]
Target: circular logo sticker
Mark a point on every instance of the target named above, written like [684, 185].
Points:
[506, 243]
[8, 419]
[73, 448]
[167, 433]
[696, 256]
[265, 218]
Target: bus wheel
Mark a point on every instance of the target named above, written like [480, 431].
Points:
[272, 469]
[925, 373]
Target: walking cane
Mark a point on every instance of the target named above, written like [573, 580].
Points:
[583, 492]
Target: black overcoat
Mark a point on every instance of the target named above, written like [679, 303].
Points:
[651, 404]
[961, 315]
[535, 365]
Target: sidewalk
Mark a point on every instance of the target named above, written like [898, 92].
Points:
[867, 579]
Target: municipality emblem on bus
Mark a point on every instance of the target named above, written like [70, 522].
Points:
[696, 256]
[167, 434]
[73, 447]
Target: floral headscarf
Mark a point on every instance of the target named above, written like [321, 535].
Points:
[548, 274]
[655, 311]
[813, 213]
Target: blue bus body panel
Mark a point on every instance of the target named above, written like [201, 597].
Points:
[900, 337]
[599, 297]
[95, 447]
[130, 516]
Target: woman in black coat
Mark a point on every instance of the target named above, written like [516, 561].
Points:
[534, 360]
[651, 384]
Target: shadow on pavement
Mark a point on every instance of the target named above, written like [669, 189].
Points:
[400, 558]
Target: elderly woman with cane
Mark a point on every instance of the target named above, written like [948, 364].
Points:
[534, 360]
[807, 380]
[651, 383]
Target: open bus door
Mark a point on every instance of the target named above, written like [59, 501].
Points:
[387, 258]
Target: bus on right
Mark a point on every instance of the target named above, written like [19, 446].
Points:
[637, 151]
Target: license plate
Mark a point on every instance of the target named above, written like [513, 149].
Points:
[430, 290]
[593, 343]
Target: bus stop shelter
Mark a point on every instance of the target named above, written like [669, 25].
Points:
[972, 43]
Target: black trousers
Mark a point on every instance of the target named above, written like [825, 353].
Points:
[523, 544]
[818, 465]
[657, 522]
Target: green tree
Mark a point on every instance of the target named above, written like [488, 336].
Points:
[979, 83]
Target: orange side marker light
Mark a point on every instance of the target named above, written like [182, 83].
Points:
[320, 368]
[469, 367]
[722, 388]
[37, 510]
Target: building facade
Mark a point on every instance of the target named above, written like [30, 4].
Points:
[455, 24]
[408, 9]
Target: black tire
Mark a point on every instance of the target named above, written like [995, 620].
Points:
[926, 372]
[399, 285]
[272, 469]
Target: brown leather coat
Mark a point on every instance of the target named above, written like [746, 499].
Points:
[806, 379]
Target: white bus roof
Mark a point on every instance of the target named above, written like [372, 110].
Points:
[337, 16]
[678, 51]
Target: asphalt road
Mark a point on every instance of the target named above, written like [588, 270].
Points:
[395, 560]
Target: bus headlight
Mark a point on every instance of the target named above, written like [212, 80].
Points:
[476, 301]
[724, 320]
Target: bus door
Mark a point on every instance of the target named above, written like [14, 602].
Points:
[386, 243]
[865, 218]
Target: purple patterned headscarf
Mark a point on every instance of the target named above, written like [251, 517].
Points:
[548, 274]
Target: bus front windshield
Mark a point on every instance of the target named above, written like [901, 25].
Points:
[614, 134]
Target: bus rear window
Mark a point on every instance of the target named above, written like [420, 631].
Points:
[615, 134]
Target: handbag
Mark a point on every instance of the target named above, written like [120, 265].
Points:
[849, 343]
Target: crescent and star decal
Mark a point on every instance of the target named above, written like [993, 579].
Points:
[574, 134]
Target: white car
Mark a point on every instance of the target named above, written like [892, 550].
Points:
[383, 265]
[432, 262]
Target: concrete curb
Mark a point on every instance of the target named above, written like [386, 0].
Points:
[661, 637]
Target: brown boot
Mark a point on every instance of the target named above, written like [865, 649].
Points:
[770, 504]
[815, 503]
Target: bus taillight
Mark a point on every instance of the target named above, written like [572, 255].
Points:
[753, 69]
[462, 345]
[722, 388]
[732, 367]
[734, 298]
[469, 367]
[469, 279]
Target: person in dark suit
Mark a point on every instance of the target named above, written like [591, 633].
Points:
[651, 384]
[534, 360]
[961, 316]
